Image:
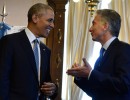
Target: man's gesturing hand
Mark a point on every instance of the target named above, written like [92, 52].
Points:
[80, 71]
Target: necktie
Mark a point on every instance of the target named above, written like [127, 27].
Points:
[35, 50]
[99, 60]
[102, 52]
[101, 55]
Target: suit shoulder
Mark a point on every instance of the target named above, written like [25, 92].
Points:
[10, 39]
[124, 44]
[123, 47]
[13, 35]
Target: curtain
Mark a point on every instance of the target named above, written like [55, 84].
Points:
[122, 7]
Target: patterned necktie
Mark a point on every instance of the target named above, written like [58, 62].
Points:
[35, 50]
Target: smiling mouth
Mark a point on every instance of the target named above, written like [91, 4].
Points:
[48, 30]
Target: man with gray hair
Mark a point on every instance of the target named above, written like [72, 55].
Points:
[25, 61]
[110, 78]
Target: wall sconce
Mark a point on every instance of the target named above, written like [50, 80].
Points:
[4, 14]
[92, 5]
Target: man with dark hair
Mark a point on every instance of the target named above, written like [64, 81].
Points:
[110, 78]
[25, 61]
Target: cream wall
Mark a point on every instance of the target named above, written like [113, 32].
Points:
[17, 11]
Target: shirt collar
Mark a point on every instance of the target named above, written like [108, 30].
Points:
[30, 35]
[107, 44]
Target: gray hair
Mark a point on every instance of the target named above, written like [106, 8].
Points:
[113, 18]
[37, 9]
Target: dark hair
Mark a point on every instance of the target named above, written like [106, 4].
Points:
[37, 9]
[113, 18]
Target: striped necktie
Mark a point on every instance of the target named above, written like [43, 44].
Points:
[35, 50]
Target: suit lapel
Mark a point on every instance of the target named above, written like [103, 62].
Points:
[109, 50]
[43, 63]
[28, 52]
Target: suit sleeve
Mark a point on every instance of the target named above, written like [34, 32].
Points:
[5, 67]
[48, 78]
[119, 83]
[56, 92]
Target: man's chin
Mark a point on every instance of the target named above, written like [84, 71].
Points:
[94, 39]
[45, 35]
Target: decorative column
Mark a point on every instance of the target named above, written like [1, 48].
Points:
[55, 42]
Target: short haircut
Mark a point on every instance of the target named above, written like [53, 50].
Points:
[113, 18]
[37, 9]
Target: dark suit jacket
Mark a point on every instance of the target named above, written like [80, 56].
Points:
[111, 79]
[18, 75]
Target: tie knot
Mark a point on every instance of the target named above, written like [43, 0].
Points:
[102, 51]
[35, 41]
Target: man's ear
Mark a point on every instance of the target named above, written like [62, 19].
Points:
[106, 25]
[35, 18]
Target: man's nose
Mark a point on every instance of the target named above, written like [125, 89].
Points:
[52, 25]
[90, 29]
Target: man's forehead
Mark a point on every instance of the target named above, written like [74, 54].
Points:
[47, 13]
[97, 17]
[94, 19]
[48, 10]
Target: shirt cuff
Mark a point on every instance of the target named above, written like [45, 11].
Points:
[89, 74]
